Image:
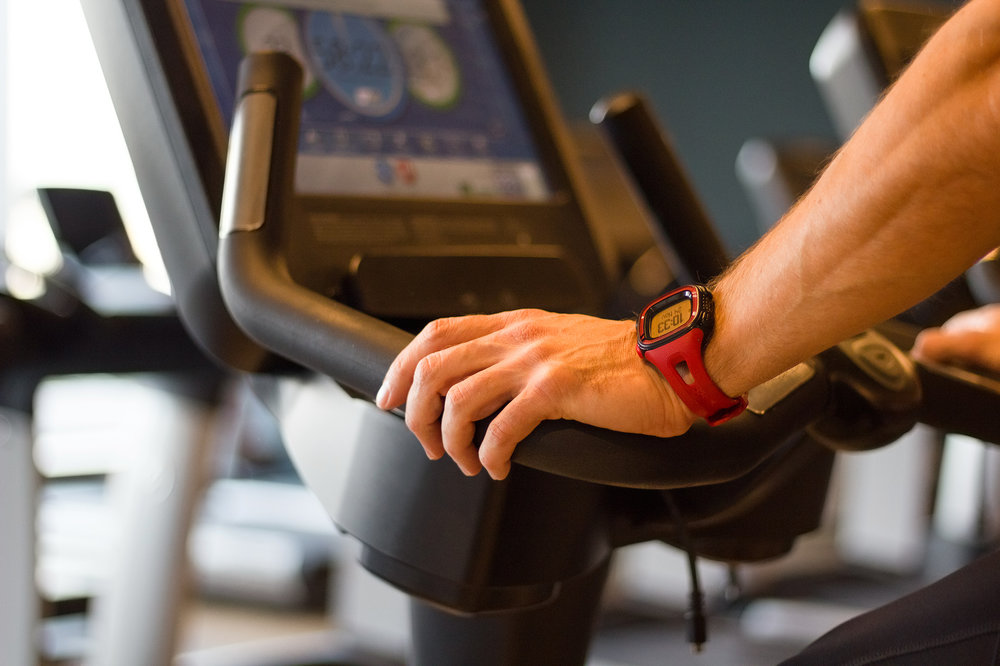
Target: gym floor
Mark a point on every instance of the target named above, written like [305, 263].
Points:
[218, 634]
[224, 635]
[753, 631]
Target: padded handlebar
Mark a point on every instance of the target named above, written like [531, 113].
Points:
[703, 455]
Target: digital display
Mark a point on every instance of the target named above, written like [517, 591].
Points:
[402, 98]
[669, 319]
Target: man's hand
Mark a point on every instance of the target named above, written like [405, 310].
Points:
[532, 366]
[969, 338]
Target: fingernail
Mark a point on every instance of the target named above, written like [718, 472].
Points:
[380, 397]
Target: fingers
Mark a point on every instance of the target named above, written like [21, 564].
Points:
[432, 381]
[985, 319]
[969, 347]
[468, 402]
[444, 354]
[524, 366]
[517, 420]
[971, 337]
[480, 396]
[436, 336]
[454, 374]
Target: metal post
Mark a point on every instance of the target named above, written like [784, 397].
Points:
[135, 618]
[19, 608]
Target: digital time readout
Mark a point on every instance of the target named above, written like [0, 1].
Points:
[669, 319]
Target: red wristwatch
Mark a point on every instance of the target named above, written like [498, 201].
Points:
[673, 332]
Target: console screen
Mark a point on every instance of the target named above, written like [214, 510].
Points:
[403, 98]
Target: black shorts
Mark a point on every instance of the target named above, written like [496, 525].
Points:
[953, 621]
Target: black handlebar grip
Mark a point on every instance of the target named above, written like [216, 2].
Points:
[779, 410]
[295, 322]
[681, 226]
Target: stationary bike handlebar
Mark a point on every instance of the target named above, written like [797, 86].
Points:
[356, 349]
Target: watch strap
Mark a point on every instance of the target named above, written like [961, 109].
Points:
[681, 363]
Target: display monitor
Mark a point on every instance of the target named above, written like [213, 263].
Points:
[401, 98]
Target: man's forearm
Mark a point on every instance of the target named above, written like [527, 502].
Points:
[908, 203]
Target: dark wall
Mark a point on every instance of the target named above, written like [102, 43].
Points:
[716, 71]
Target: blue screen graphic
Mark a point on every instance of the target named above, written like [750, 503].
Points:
[402, 97]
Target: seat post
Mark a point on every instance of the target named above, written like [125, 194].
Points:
[557, 633]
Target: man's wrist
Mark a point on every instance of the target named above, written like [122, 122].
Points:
[723, 356]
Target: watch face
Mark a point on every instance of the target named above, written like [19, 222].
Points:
[669, 315]
[669, 319]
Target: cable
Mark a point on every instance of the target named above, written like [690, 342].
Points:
[697, 625]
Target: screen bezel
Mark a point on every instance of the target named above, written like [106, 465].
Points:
[647, 341]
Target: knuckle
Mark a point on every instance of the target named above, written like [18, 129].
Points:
[548, 383]
[524, 331]
[525, 314]
[426, 370]
[459, 397]
[455, 448]
[553, 374]
[414, 424]
[438, 329]
[497, 433]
